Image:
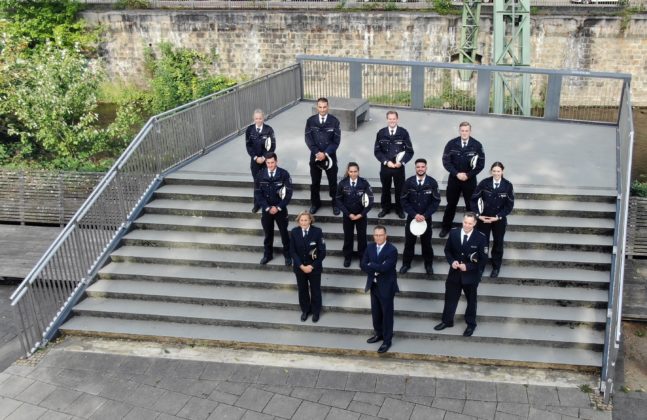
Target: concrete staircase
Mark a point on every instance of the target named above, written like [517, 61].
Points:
[188, 271]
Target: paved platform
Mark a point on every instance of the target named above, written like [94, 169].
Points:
[561, 157]
[21, 247]
[73, 380]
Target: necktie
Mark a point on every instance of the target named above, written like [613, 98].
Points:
[305, 233]
[379, 248]
[392, 132]
[419, 183]
[272, 174]
[464, 143]
[496, 185]
[464, 239]
[352, 184]
[323, 120]
[258, 130]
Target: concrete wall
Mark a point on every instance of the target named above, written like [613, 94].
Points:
[253, 43]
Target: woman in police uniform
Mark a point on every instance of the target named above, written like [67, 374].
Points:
[354, 198]
[492, 202]
[308, 249]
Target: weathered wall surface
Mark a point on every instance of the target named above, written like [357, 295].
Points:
[253, 43]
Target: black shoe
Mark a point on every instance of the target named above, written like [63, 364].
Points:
[384, 348]
[429, 269]
[383, 213]
[347, 261]
[468, 331]
[315, 318]
[404, 268]
[314, 209]
[494, 273]
[265, 260]
[256, 208]
[304, 316]
[288, 261]
[443, 232]
[442, 326]
[336, 211]
[401, 214]
[374, 339]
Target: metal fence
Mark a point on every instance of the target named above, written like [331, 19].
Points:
[554, 94]
[579, 5]
[43, 300]
[46, 197]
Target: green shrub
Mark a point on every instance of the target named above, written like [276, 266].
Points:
[639, 188]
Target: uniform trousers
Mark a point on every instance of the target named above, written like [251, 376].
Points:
[315, 175]
[453, 288]
[267, 221]
[498, 232]
[309, 286]
[388, 175]
[255, 168]
[349, 227]
[455, 188]
[382, 313]
[410, 243]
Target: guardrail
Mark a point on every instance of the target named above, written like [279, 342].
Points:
[554, 94]
[43, 300]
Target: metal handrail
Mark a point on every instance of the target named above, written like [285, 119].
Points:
[45, 297]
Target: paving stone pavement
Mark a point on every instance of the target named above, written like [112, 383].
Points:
[86, 385]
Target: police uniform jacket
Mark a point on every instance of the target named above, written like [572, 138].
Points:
[301, 248]
[458, 159]
[322, 138]
[496, 202]
[423, 199]
[387, 147]
[475, 249]
[255, 141]
[267, 190]
[349, 200]
[380, 269]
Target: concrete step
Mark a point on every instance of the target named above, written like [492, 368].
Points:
[338, 302]
[201, 256]
[300, 197]
[350, 323]
[248, 220]
[594, 195]
[332, 230]
[336, 343]
[351, 283]
[277, 271]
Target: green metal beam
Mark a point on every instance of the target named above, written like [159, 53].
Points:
[469, 35]
[511, 47]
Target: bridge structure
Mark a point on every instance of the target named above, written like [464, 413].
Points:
[165, 247]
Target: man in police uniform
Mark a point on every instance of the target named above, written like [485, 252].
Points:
[392, 149]
[466, 252]
[273, 193]
[420, 199]
[463, 158]
[258, 137]
[323, 136]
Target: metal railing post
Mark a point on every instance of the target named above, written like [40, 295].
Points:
[483, 88]
[553, 97]
[417, 87]
[355, 78]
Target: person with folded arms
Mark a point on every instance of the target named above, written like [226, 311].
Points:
[354, 199]
[308, 250]
[393, 150]
[492, 201]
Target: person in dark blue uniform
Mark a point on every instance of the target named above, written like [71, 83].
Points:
[308, 250]
[497, 197]
[466, 253]
[354, 199]
[420, 199]
[323, 136]
[259, 140]
[463, 158]
[392, 149]
[273, 194]
[379, 263]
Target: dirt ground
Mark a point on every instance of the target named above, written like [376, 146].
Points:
[635, 356]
